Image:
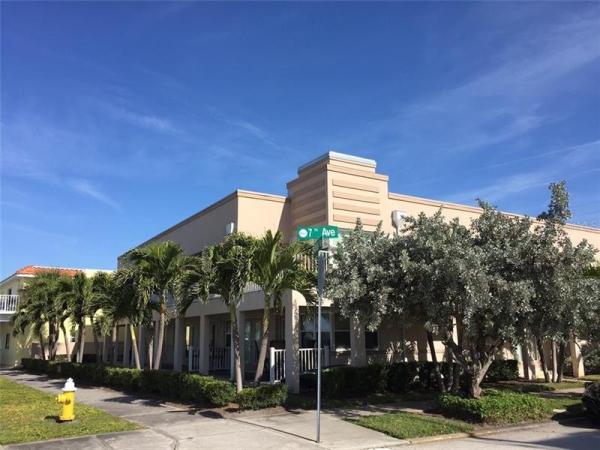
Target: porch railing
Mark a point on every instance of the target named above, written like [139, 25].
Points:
[193, 359]
[219, 358]
[276, 365]
[8, 303]
[307, 359]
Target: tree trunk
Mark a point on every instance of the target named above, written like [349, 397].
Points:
[42, 345]
[81, 339]
[50, 342]
[75, 350]
[96, 345]
[114, 344]
[554, 362]
[54, 346]
[456, 373]
[561, 362]
[151, 349]
[67, 341]
[237, 358]
[476, 376]
[540, 348]
[264, 343]
[436, 366]
[161, 335]
[134, 347]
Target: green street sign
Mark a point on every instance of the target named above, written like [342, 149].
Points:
[314, 233]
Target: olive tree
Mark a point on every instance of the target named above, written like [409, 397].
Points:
[357, 281]
[467, 284]
[562, 293]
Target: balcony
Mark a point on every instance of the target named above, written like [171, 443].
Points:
[8, 303]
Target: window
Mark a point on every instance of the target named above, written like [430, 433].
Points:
[7, 341]
[342, 332]
[371, 340]
[228, 334]
[9, 291]
[308, 330]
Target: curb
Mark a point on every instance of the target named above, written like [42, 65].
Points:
[477, 433]
[71, 438]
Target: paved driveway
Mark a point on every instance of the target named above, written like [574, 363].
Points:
[172, 426]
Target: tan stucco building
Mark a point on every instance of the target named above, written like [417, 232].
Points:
[13, 348]
[334, 189]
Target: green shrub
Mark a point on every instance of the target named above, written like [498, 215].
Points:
[264, 396]
[402, 376]
[344, 381]
[591, 400]
[495, 407]
[92, 373]
[192, 387]
[503, 370]
[165, 383]
[35, 365]
[162, 382]
[219, 392]
[123, 378]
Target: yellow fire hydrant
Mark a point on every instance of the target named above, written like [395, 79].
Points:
[67, 400]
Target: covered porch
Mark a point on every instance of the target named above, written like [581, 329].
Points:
[200, 342]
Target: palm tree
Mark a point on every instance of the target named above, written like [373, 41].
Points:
[130, 305]
[276, 267]
[43, 303]
[31, 313]
[77, 300]
[231, 261]
[196, 280]
[98, 304]
[158, 267]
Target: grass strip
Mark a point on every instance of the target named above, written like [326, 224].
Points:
[27, 414]
[404, 425]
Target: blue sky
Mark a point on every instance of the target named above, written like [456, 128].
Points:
[120, 119]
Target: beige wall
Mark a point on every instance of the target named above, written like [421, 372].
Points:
[258, 213]
[334, 190]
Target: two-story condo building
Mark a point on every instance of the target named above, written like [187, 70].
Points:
[334, 189]
[13, 348]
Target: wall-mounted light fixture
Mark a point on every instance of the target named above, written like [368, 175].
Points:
[229, 228]
[398, 219]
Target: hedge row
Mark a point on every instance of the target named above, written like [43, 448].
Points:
[344, 381]
[167, 384]
[264, 396]
[495, 407]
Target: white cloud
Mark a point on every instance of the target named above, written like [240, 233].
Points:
[578, 161]
[148, 121]
[503, 103]
[86, 188]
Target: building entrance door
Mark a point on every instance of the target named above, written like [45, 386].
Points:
[252, 335]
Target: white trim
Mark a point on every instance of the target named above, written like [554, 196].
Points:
[342, 156]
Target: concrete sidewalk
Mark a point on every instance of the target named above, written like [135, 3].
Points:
[173, 426]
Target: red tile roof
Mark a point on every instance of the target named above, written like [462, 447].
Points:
[34, 270]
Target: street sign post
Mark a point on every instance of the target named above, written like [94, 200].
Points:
[314, 233]
[322, 262]
[320, 235]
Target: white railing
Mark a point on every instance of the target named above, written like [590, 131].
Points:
[276, 365]
[193, 359]
[308, 359]
[251, 287]
[8, 303]
[219, 358]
